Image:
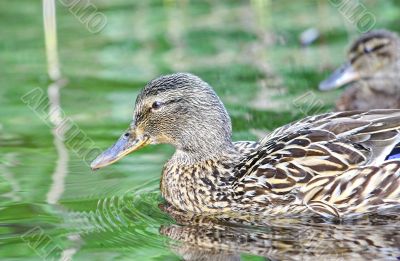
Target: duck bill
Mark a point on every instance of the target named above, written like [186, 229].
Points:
[122, 147]
[341, 76]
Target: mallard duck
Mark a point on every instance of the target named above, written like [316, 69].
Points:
[339, 164]
[373, 68]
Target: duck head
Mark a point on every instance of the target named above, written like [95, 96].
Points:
[371, 55]
[178, 109]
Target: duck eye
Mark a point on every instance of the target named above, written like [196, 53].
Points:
[367, 50]
[156, 105]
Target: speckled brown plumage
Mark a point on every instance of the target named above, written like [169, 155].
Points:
[205, 186]
[334, 165]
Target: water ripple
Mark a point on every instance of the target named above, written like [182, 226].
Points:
[133, 214]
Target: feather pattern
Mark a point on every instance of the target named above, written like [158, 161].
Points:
[332, 164]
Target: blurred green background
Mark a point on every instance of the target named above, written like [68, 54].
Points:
[249, 51]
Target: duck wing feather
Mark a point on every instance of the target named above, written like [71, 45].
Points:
[317, 146]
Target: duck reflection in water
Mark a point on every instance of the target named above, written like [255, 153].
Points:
[227, 238]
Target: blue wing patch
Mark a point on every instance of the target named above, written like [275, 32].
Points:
[394, 154]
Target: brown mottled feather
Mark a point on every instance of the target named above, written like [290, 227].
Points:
[330, 145]
[357, 191]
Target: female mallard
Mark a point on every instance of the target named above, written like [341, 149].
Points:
[373, 66]
[333, 164]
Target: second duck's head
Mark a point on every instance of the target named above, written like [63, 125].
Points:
[374, 54]
[178, 109]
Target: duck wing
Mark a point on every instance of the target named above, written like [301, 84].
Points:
[358, 191]
[323, 145]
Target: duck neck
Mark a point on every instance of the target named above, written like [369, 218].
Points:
[193, 183]
[204, 151]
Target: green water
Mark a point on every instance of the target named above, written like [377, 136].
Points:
[54, 207]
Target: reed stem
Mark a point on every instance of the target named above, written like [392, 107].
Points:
[50, 32]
